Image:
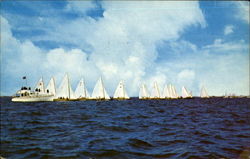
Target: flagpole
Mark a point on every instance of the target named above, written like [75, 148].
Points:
[24, 78]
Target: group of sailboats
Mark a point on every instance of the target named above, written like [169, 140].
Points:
[169, 92]
[66, 93]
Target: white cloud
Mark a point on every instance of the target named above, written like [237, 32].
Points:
[220, 67]
[122, 45]
[219, 46]
[186, 78]
[229, 29]
[242, 10]
[80, 6]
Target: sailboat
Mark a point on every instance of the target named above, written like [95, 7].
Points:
[155, 94]
[99, 92]
[65, 92]
[25, 94]
[120, 92]
[165, 93]
[51, 89]
[204, 93]
[173, 93]
[185, 93]
[81, 91]
[143, 93]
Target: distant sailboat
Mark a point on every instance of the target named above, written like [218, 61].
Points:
[51, 89]
[185, 93]
[166, 93]
[81, 91]
[120, 92]
[143, 93]
[65, 91]
[155, 94]
[99, 92]
[25, 94]
[173, 93]
[204, 93]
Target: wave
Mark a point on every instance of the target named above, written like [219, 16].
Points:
[143, 129]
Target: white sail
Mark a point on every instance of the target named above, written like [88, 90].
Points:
[143, 94]
[120, 92]
[81, 90]
[166, 92]
[51, 89]
[40, 86]
[170, 91]
[173, 92]
[65, 91]
[185, 93]
[204, 93]
[155, 92]
[99, 91]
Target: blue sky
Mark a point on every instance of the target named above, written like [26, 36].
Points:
[190, 44]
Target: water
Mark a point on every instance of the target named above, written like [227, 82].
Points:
[144, 129]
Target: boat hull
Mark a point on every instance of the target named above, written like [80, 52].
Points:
[32, 99]
[64, 100]
[121, 98]
[144, 98]
[83, 99]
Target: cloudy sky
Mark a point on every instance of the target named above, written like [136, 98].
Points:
[190, 44]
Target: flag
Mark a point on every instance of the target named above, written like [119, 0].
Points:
[24, 77]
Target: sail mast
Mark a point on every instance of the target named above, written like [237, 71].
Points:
[102, 88]
[43, 89]
[157, 88]
[54, 83]
[123, 89]
[84, 88]
[68, 85]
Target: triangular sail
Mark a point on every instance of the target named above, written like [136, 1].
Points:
[51, 89]
[155, 92]
[120, 91]
[185, 93]
[143, 94]
[204, 93]
[40, 86]
[166, 92]
[173, 92]
[99, 91]
[81, 90]
[170, 91]
[65, 90]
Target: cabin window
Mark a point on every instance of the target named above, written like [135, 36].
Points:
[47, 91]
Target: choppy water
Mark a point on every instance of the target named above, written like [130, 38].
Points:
[186, 128]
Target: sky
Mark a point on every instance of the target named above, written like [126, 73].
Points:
[186, 43]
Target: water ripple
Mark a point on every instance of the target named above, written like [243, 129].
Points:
[144, 129]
